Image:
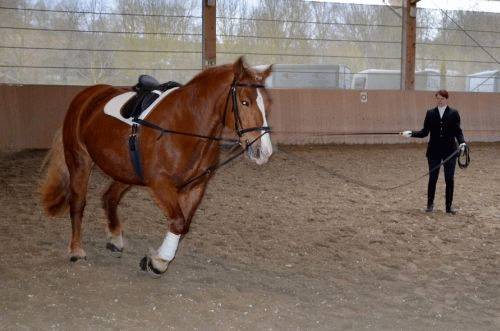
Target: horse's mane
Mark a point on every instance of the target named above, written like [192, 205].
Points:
[218, 71]
[213, 71]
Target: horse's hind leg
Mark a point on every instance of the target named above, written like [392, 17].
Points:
[79, 166]
[110, 201]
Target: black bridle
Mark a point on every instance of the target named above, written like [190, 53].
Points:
[238, 128]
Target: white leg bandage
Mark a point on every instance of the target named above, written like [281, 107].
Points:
[117, 240]
[169, 246]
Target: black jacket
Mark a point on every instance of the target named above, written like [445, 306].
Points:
[443, 132]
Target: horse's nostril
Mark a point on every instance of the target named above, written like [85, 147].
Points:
[250, 151]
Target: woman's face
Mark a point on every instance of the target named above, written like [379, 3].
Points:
[441, 101]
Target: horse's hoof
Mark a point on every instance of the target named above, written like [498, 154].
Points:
[115, 251]
[147, 266]
[75, 258]
[76, 253]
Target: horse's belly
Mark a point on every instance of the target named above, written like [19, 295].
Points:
[107, 144]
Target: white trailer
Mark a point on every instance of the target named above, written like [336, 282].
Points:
[384, 79]
[321, 76]
[484, 81]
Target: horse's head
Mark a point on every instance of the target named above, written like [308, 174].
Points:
[250, 104]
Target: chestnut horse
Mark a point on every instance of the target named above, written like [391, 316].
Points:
[231, 96]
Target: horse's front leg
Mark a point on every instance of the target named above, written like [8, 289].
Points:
[179, 207]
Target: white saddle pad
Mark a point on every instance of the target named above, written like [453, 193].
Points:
[113, 107]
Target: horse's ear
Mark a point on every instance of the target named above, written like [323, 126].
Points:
[239, 68]
[267, 72]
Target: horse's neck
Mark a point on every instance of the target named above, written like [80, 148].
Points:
[208, 112]
[213, 98]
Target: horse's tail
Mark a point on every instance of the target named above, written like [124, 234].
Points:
[54, 187]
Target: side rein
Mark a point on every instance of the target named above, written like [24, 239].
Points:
[238, 128]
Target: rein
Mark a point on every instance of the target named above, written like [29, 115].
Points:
[238, 127]
[321, 134]
[163, 131]
[218, 165]
[465, 154]
[462, 164]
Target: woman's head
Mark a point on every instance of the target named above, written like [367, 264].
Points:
[441, 98]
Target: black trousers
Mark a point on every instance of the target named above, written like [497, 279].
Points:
[449, 173]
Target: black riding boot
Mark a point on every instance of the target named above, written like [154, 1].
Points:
[431, 192]
[449, 196]
[431, 186]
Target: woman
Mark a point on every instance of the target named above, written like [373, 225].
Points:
[443, 123]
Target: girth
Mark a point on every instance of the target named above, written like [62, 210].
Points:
[148, 90]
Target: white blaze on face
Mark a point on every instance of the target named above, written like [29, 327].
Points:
[266, 148]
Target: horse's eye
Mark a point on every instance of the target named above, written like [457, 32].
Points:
[245, 103]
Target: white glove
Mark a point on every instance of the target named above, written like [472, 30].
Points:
[462, 147]
[406, 134]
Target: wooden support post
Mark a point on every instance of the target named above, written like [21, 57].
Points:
[208, 34]
[408, 40]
